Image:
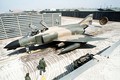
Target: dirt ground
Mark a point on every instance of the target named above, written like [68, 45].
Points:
[107, 69]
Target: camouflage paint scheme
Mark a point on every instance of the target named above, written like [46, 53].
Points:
[66, 33]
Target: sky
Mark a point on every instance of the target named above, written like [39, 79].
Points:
[6, 5]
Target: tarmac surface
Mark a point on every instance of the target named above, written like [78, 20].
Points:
[18, 63]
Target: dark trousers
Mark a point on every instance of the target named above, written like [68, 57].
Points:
[41, 71]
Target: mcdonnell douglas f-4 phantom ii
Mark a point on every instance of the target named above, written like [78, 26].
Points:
[61, 34]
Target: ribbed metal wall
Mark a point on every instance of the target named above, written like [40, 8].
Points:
[18, 25]
[24, 21]
[11, 26]
[36, 20]
[2, 30]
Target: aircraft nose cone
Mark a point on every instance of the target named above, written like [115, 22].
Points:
[12, 45]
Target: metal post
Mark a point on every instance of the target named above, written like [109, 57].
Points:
[19, 26]
[52, 19]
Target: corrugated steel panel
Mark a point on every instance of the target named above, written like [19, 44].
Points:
[2, 31]
[18, 25]
[56, 19]
[47, 18]
[35, 19]
[11, 26]
[24, 21]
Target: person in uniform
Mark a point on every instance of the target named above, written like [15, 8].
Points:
[41, 66]
[27, 77]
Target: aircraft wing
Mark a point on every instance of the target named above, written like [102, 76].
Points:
[86, 39]
[83, 39]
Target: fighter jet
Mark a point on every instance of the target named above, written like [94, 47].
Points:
[72, 33]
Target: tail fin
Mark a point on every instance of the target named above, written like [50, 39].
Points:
[87, 20]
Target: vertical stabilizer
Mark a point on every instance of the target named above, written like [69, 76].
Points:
[87, 20]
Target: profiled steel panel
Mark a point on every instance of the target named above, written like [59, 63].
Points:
[18, 25]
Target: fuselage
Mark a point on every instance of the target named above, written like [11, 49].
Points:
[53, 33]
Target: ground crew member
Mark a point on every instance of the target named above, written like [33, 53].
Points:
[42, 66]
[27, 77]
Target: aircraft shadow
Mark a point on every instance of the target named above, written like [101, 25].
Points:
[51, 45]
[31, 48]
[87, 46]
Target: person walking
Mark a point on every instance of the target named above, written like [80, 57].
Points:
[42, 66]
[27, 77]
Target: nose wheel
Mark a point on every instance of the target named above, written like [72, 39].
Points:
[28, 49]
